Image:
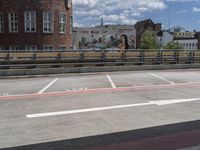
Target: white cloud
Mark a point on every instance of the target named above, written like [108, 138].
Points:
[182, 0]
[195, 9]
[113, 11]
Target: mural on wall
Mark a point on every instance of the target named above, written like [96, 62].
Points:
[106, 42]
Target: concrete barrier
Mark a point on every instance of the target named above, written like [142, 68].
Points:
[62, 70]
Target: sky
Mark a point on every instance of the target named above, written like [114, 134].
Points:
[184, 13]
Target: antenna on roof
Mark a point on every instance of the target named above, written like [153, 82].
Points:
[102, 21]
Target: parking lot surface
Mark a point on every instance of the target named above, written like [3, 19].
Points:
[62, 107]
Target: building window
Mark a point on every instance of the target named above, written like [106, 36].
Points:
[30, 21]
[1, 22]
[62, 22]
[193, 45]
[13, 47]
[2, 48]
[13, 22]
[63, 48]
[48, 48]
[30, 47]
[48, 22]
[71, 24]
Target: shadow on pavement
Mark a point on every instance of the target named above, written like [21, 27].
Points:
[183, 130]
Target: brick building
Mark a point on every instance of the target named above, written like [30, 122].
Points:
[36, 24]
[144, 25]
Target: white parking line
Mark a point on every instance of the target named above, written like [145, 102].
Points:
[46, 87]
[194, 73]
[111, 82]
[155, 75]
[159, 103]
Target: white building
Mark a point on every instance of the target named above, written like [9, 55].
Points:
[187, 40]
[87, 37]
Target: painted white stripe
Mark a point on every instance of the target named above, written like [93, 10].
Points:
[46, 87]
[159, 103]
[174, 101]
[111, 82]
[157, 76]
[84, 110]
[194, 73]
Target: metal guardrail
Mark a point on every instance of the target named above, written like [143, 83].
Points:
[98, 57]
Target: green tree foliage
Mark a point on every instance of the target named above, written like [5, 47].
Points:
[173, 45]
[149, 40]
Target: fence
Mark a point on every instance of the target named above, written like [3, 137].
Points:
[98, 57]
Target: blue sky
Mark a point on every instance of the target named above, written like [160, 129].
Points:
[185, 13]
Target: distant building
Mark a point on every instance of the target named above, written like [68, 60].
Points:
[89, 37]
[143, 26]
[188, 40]
[164, 37]
[36, 24]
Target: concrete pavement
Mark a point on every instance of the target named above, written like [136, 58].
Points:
[117, 104]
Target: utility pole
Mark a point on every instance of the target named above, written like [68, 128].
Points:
[169, 18]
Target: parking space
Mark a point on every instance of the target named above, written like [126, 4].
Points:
[135, 79]
[76, 83]
[180, 77]
[22, 86]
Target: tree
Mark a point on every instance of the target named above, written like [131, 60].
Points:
[149, 40]
[173, 45]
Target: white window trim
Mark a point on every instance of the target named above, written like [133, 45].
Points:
[34, 21]
[65, 32]
[25, 47]
[14, 46]
[48, 46]
[52, 21]
[2, 23]
[9, 22]
[62, 46]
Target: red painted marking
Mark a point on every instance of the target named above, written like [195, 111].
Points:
[101, 90]
[168, 142]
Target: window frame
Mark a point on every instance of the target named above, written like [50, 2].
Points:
[16, 46]
[26, 48]
[62, 46]
[65, 23]
[48, 46]
[30, 21]
[46, 21]
[1, 22]
[14, 22]
[71, 24]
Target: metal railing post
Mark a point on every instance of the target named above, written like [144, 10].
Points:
[82, 55]
[143, 57]
[177, 56]
[124, 56]
[161, 57]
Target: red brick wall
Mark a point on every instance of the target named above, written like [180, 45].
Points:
[39, 38]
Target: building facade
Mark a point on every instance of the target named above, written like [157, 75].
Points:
[145, 25]
[36, 24]
[187, 40]
[107, 35]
